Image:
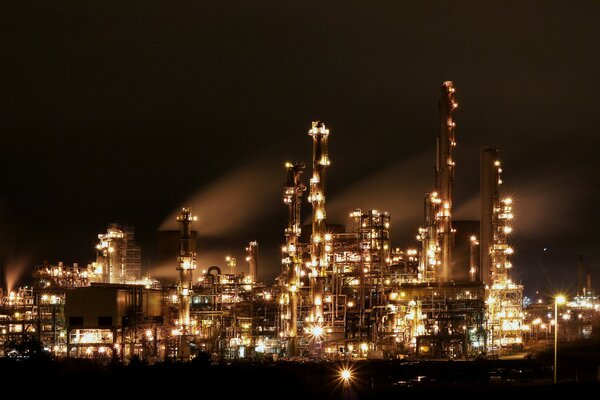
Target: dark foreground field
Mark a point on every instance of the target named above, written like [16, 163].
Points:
[285, 380]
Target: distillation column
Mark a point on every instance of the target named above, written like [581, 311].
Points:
[473, 244]
[292, 260]
[319, 262]
[186, 265]
[504, 304]
[490, 175]
[252, 258]
[444, 178]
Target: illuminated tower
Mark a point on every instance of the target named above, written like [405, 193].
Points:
[428, 235]
[252, 258]
[319, 238]
[436, 236]
[292, 254]
[111, 256]
[473, 244]
[186, 265]
[504, 304]
[444, 178]
[490, 176]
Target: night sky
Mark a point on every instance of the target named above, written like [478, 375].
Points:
[127, 111]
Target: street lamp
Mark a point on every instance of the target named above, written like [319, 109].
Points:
[559, 299]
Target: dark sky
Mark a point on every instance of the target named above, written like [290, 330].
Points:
[126, 111]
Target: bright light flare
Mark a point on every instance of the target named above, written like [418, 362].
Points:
[317, 331]
[346, 375]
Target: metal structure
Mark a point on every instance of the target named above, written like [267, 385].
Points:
[504, 303]
[320, 239]
[252, 259]
[118, 257]
[444, 178]
[186, 265]
[437, 234]
[292, 257]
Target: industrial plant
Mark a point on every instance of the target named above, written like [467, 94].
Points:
[343, 293]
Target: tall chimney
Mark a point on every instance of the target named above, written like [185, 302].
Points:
[489, 194]
[580, 283]
[444, 177]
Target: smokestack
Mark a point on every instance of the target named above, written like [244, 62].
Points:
[489, 194]
[473, 243]
[444, 177]
[186, 264]
[580, 283]
[3, 284]
[252, 258]
[588, 281]
[292, 260]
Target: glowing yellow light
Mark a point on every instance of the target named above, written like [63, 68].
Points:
[364, 346]
[317, 331]
[560, 299]
[346, 374]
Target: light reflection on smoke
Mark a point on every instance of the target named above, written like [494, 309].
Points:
[236, 201]
[14, 269]
[399, 189]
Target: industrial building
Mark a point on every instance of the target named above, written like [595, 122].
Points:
[342, 293]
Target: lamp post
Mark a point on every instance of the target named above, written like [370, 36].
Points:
[559, 299]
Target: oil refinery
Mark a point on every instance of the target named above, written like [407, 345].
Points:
[342, 294]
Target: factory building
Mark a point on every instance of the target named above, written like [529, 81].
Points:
[115, 321]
